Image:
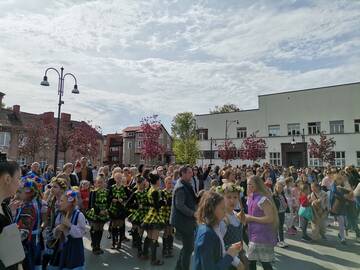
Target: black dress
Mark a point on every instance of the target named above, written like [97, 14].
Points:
[5, 220]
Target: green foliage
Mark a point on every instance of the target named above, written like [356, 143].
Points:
[186, 151]
[184, 134]
[225, 108]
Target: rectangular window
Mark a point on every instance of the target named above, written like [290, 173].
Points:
[202, 134]
[358, 158]
[314, 162]
[314, 128]
[275, 158]
[293, 129]
[337, 127]
[139, 144]
[274, 130]
[114, 149]
[241, 132]
[131, 134]
[4, 138]
[129, 145]
[339, 160]
[22, 161]
[357, 125]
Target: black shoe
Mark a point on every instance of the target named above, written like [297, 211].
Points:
[306, 238]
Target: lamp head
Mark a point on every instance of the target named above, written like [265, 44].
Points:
[45, 81]
[75, 90]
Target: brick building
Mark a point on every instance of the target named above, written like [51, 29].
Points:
[12, 129]
[113, 149]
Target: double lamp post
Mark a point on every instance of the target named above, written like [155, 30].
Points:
[75, 90]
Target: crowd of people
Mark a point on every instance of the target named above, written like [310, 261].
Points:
[225, 218]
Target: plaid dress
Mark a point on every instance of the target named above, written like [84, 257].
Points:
[117, 209]
[165, 210]
[138, 206]
[153, 219]
[98, 202]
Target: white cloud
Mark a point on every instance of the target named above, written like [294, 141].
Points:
[134, 58]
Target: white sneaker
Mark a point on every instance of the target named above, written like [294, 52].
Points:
[285, 244]
[281, 244]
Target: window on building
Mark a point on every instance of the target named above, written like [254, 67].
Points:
[274, 130]
[339, 160]
[314, 162]
[22, 161]
[314, 128]
[293, 129]
[358, 158]
[4, 138]
[114, 149]
[114, 158]
[131, 134]
[129, 145]
[202, 134]
[275, 158]
[357, 125]
[61, 163]
[241, 132]
[139, 144]
[337, 126]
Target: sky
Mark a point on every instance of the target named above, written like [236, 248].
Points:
[138, 58]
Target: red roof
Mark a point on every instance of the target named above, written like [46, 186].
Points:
[130, 129]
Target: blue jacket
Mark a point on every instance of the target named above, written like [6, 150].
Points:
[208, 251]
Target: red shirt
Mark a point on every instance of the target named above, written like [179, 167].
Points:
[304, 201]
[85, 195]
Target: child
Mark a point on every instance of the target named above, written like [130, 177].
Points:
[70, 230]
[231, 227]
[291, 215]
[117, 211]
[295, 191]
[282, 207]
[57, 189]
[138, 203]
[153, 221]
[305, 211]
[209, 251]
[318, 199]
[28, 219]
[165, 211]
[98, 213]
[84, 194]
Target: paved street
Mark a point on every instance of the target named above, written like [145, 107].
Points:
[298, 256]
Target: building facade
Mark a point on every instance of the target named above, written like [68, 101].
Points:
[132, 142]
[13, 129]
[287, 121]
[113, 149]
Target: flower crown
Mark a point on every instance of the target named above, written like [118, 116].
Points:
[71, 195]
[228, 188]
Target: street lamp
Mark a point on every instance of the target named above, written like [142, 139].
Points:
[75, 90]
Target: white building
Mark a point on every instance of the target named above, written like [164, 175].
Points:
[286, 121]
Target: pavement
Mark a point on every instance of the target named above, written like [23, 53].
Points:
[329, 255]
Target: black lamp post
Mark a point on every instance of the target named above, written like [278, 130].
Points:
[75, 90]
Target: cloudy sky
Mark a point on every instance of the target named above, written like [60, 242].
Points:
[136, 58]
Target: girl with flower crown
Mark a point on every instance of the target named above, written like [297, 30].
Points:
[70, 226]
[28, 219]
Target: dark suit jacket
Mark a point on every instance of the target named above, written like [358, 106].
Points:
[90, 177]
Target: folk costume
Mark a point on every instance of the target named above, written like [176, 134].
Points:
[138, 207]
[71, 247]
[118, 196]
[28, 220]
[165, 212]
[98, 216]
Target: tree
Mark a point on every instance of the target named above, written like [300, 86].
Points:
[252, 148]
[151, 128]
[185, 146]
[84, 140]
[35, 138]
[225, 108]
[323, 150]
[227, 151]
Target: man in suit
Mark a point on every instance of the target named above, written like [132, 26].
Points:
[86, 171]
[182, 216]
